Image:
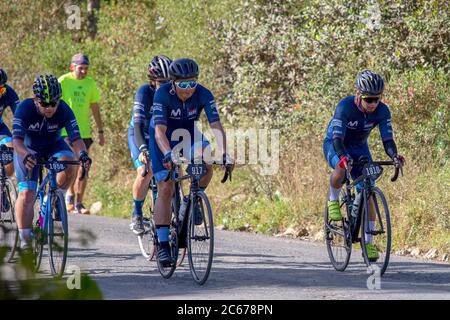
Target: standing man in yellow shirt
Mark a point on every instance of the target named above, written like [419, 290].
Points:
[80, 92]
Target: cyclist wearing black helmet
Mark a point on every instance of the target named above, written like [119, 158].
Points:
[347, 135]
[8, 98]
[37, 128]
[176, 109]
[138, 133]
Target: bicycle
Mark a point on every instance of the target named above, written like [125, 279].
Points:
[9, 236]
[50, 219]
[145, 239]
[195, 236]
[340, 235]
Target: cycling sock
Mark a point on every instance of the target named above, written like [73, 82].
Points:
[138, 207]
[163, 233]
[368, 236]
[24, 234]
[334, 193]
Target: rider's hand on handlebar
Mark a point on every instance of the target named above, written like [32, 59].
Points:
[29, 161]
[167, 161]
[85, 160]
[144, 156]
[345, 162]
[399, 160]
[228, 162]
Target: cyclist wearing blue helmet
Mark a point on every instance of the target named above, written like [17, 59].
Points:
[37, 128]
[8, 98]
[138, 133]
[346, 139]
[176, 108]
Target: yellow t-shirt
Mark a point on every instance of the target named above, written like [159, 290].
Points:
[79, 95]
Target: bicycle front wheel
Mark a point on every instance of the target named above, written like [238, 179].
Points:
[58, 234]
[147, 240]
[10, 234]
[200, 238]
[338, 238]
[380, 231]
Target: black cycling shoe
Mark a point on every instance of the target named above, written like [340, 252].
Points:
[138, 225]
[164, 255]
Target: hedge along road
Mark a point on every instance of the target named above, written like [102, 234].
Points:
[245, 266]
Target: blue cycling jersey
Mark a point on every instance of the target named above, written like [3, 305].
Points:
[40, 132]
[8, 99]
[143, 106]
[352, 125]
[170, 111]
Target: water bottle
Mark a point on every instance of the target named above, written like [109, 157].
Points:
[183, 208]
[355, 206]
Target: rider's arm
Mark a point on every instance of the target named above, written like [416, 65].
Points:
[139, 136]
[339, 126]
[161, 138]
[78, 146]
[220, 135]
[14, 98]
[143, 99]
[387, 135]
[20, 125]
[70, 123]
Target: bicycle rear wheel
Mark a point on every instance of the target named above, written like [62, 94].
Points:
[200, 239]
[146, 240]
[10, 234]
[58, 234]
[381, 233]
[338, 238]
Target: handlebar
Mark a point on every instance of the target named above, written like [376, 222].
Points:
[52, 160]
[394, 176]
[227, 175]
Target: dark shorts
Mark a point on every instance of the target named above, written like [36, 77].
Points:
[5, 134]
[58, 150]
[354, 151]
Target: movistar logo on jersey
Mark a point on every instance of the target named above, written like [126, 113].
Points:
[175, 113]
[352, 124]
[34, 127]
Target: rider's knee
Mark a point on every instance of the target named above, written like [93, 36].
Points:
[27, 195]
[165, 190]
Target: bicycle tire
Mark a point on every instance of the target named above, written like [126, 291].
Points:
[338, 230]
[12, 234]
[197, 235]
[38, 237]
[57, 249]
[146, 240]
[383, 245]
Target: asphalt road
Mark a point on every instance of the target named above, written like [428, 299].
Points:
[245, 266]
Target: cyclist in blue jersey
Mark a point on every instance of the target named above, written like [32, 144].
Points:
[37, 128]
[138, 133]
[346, 139]
[176, 108]
[8, 98]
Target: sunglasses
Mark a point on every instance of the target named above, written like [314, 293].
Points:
[371, 99]
[46, 105]
[186, 84]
